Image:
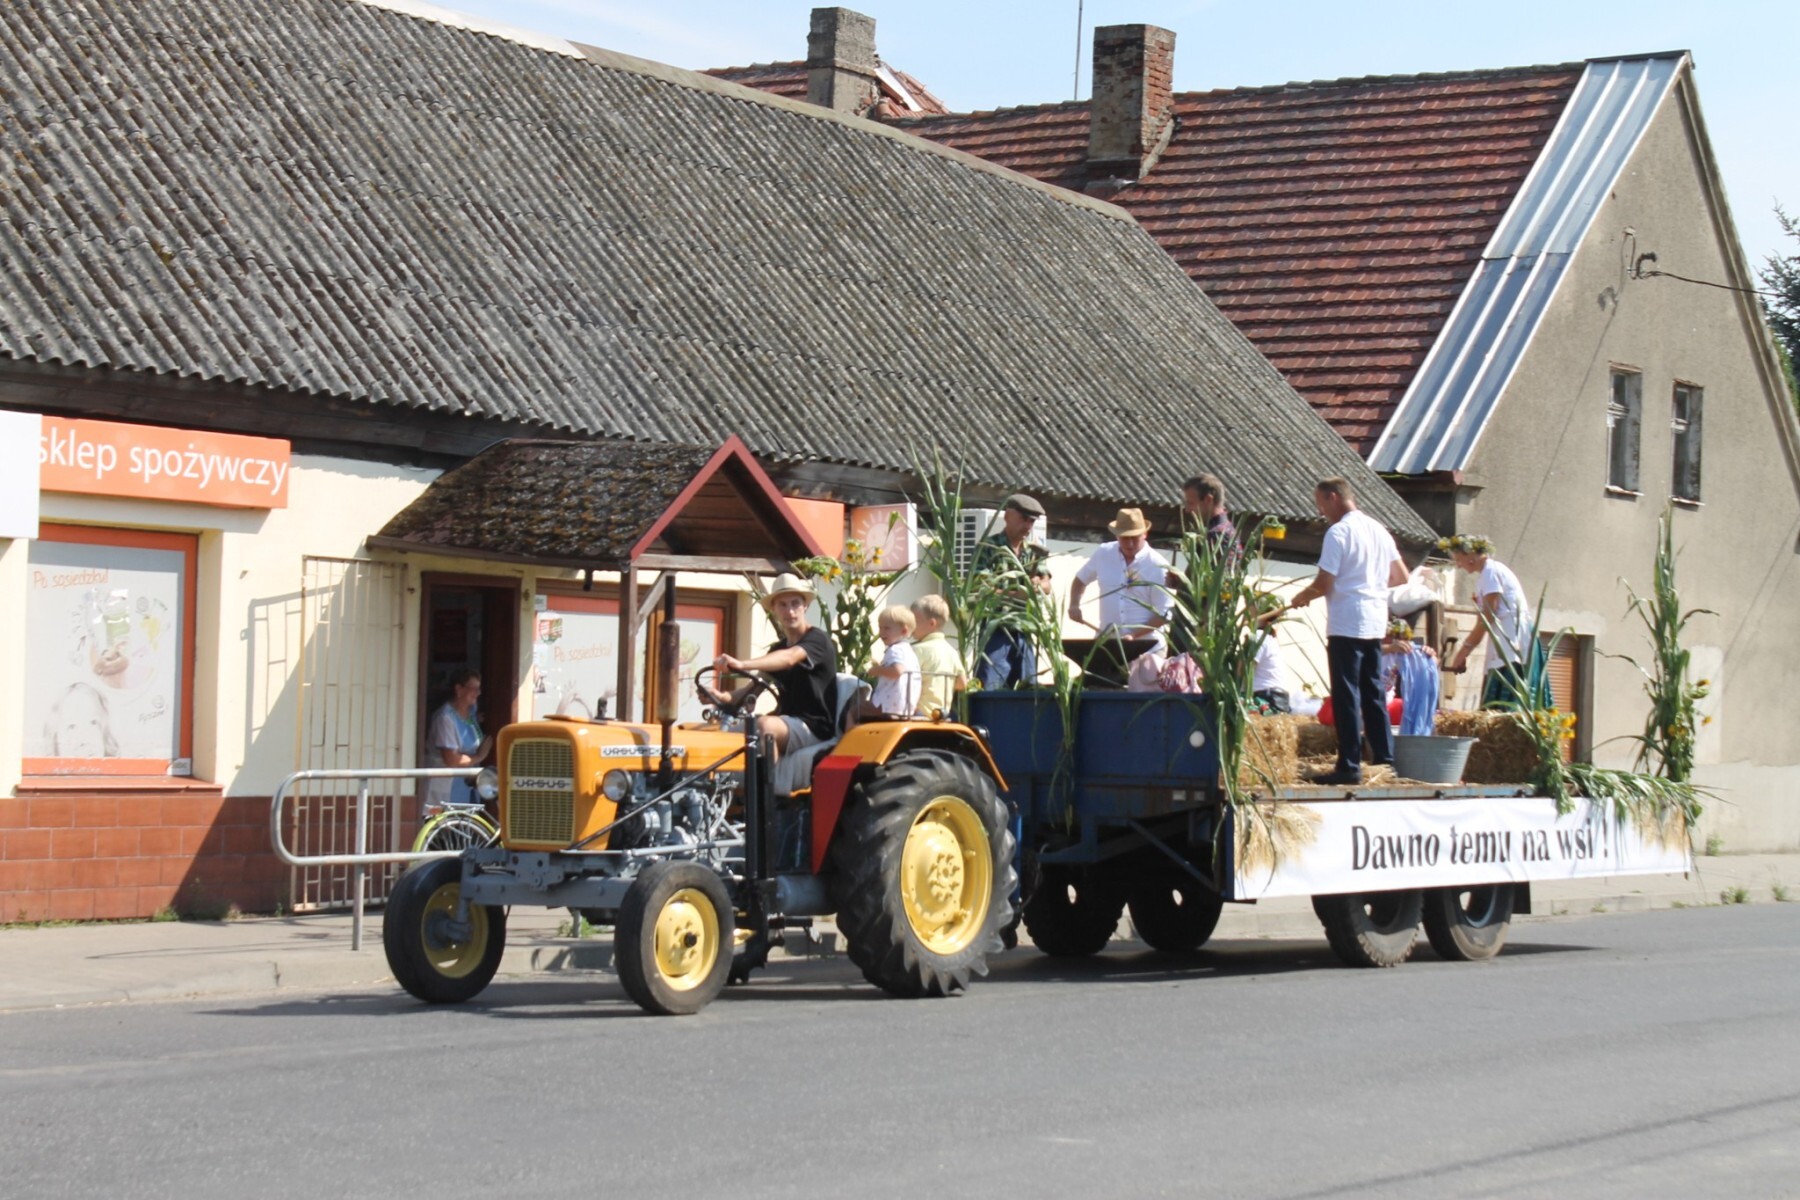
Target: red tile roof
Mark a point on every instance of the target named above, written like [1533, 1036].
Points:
[1335, 223]
[789, 79]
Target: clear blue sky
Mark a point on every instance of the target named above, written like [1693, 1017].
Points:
[990, 53]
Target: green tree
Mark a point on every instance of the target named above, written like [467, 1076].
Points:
[1781, 275]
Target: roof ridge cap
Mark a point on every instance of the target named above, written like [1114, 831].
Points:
[760, 66]
[1409, 77]
[1005, 110]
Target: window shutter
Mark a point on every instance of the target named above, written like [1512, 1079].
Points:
[1688, 484]
[1631, 424]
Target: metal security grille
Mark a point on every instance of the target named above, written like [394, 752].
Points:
[350, 715]
[540, 816]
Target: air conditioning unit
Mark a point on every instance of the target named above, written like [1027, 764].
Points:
[976, 524]
[979, 523]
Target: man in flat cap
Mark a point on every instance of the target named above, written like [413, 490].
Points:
[803, 665]
[1133, 579]
[1008, 660]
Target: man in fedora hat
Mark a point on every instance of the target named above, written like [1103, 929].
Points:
[1134, 598]
[803, 665]
[1008, 660]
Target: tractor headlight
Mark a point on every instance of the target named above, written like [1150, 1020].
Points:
[487, 783]
[615, 786]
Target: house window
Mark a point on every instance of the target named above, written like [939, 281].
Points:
[1686, 422]
[109, 679]
[1624, 416]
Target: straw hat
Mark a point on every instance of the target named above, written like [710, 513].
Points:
[787, 582]
[1130, 523]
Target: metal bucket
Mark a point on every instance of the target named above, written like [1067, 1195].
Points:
[1432, 759]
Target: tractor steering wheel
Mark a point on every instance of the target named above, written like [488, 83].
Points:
[759, 683]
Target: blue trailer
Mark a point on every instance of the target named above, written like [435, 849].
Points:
[1128, 815]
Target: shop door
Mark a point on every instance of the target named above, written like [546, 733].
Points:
[468, 622]
[352, 714]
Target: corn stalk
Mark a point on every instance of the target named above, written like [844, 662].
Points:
[1670, 727]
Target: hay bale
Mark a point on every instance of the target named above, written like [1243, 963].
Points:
[1316, 739]
[1502, 753]
[1271, 751]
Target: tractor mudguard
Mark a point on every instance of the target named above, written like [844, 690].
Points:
[870, 746]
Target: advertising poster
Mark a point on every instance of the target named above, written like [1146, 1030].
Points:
[575, 661]
[575, 657]
[104, 660]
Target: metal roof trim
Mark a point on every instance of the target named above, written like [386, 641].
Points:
[1447, 406]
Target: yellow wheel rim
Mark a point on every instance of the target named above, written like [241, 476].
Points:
[687, 939]
[946, 875]
[452, 960]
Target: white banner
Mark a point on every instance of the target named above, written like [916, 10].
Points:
[1387, 845]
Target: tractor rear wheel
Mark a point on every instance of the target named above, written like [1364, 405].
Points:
[923, 873]
[1371, 929]
[1175, 916]
[1071, 913]
[673, 940]
[1468, 924]
[430, 956]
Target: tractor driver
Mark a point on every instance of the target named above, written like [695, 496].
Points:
[803, 665]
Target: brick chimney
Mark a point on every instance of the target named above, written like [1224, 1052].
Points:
[1133, 109]
[840, 61]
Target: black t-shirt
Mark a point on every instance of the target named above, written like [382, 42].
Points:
[809, 690]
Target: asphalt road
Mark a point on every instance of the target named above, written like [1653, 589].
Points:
[1623, 1055]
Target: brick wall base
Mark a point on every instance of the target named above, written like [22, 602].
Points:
[77, 855]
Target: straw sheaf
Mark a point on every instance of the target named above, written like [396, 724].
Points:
[1270, 834]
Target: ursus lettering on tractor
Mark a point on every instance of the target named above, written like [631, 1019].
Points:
[696, 847]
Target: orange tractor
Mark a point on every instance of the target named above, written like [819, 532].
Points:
[696, 847]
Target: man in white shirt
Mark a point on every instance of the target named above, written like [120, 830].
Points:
[1134, 596]
[1357, 565]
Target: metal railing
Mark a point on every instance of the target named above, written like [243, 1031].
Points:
[360, 860]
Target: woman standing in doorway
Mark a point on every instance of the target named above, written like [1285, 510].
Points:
[1515, 662]
[455, 737]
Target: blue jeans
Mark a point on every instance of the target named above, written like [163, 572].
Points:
[1007, 661]
[1356, 701]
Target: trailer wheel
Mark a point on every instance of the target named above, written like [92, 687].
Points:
[1468, 924]
[923, 874]
[1071, 913]
[1175, 917]
[1371, 929]
[672, 944]
[429, 956]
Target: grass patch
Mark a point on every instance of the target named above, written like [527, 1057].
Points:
[1735, 895]
[1780, 892]
[1714, 844]
[1599, 907]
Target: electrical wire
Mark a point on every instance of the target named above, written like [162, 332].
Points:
[1724, 287]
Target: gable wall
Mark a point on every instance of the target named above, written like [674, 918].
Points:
[1541, 468]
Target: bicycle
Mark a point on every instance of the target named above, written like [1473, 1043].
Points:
[453, 826]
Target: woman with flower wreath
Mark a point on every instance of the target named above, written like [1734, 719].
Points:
[1515, 662]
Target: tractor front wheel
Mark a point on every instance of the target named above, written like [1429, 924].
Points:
[923, 874]
[432, 955]
[673, 940]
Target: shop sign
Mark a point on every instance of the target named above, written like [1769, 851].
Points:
[109, 458]
[18, 475]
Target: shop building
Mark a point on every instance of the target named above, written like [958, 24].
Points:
[332, 249]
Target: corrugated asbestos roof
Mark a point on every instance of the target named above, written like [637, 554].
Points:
[1335, 223]
[334, 197]
[1440, 419]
